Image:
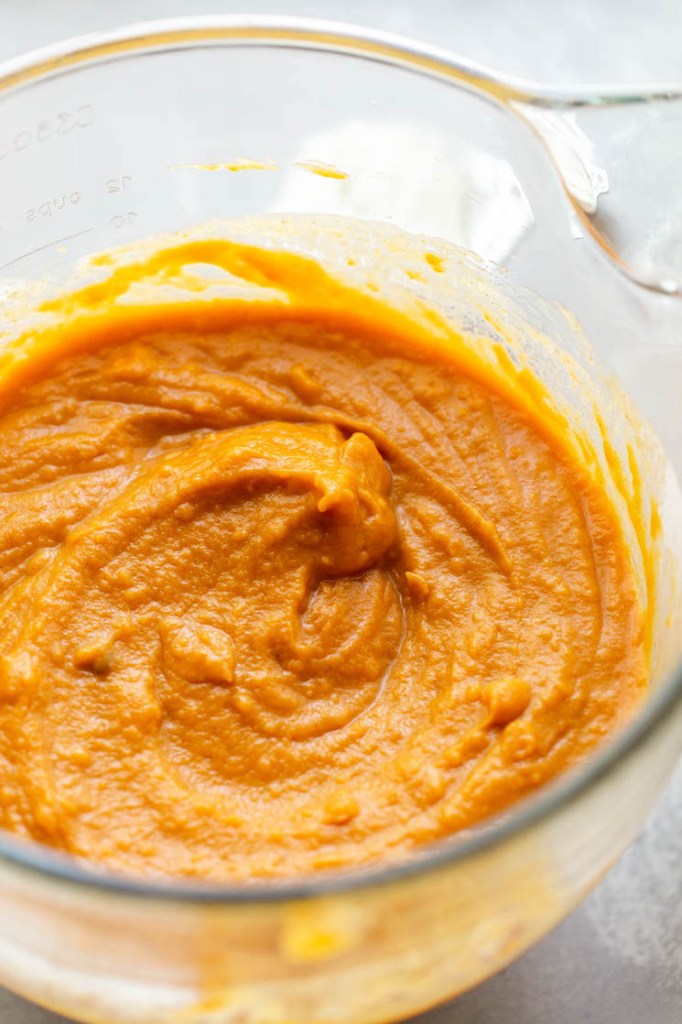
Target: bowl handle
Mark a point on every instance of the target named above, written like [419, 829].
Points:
[619, 156]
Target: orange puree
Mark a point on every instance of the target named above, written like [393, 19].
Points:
[280, 593]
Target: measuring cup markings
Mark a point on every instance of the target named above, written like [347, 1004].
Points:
[115, 185]
[122, 220]
[62, 201]
[61, 123]
[65, 201]
[49, 207]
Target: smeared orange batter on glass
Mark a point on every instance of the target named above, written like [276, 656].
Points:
[281, 592]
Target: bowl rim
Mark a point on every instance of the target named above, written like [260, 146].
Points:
[80, 52]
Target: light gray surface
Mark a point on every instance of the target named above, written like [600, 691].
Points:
[619, 957]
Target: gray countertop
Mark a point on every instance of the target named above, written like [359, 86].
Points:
[618, 958]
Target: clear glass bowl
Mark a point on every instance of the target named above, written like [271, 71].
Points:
[110, 139]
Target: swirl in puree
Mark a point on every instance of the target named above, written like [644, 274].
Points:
[282, 593]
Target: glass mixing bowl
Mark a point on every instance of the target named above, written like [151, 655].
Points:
[160, 127]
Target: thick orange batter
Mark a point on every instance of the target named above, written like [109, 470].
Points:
[282, 594]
